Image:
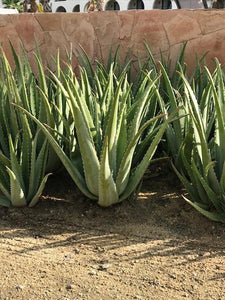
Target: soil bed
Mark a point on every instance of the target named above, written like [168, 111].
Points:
[152, 247]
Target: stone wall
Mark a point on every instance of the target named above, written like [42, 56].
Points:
[163, 30]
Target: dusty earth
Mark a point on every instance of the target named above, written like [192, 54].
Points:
[152, 247]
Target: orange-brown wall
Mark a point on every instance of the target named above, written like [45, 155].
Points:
[163, 30]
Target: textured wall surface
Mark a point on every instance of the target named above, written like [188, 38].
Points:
[164, 31]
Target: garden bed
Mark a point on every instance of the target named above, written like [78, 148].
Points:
[70, 248]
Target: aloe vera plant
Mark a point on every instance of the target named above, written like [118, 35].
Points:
[23, 147]
[171, 96]
[203, 151]
[108, 160]
[195, 140]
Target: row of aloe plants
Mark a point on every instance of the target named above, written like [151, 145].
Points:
[114, 134]
[103, 133]
[104, 128]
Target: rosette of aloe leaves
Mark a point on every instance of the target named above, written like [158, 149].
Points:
[203, 148]
[23, 147]
[116, 136]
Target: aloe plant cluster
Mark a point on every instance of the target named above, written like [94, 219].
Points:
[103, 132]
[116, 137]
[26, 159]
[195, 141]
[104, 128]
[23, 148]
[202, 151]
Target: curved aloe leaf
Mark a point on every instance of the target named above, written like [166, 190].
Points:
[107, 188]
[39, 191]
[124, 170]
[141, 168]
[206, 213]
[87, 148]
[4, 202]
[72, 170]
[17, 195]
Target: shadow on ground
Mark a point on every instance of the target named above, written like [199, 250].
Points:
[158, 216]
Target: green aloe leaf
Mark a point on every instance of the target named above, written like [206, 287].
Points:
[124, 171]
[72, 170]
[141, 168]
[36, 197]
[107, 188]
[82, 123]
[212, 216]
[15, 166]
[112, 126]
[219, 99]
[16, 192]
[191, 189]
[4, 202]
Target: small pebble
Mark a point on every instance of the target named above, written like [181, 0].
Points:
[70, 287]
[92, 272]
[67, 257]
[20, 287]
[104, 267]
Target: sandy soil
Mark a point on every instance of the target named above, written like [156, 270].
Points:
[152, 247]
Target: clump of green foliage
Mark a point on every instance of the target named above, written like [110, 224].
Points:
[23, 148]
[202, 152]
[115, 137]
[105, 128]
[13, 4]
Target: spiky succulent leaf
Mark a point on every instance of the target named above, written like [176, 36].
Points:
[108, 194]
[70, 167]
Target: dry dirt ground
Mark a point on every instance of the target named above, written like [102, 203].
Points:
[152, 247]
